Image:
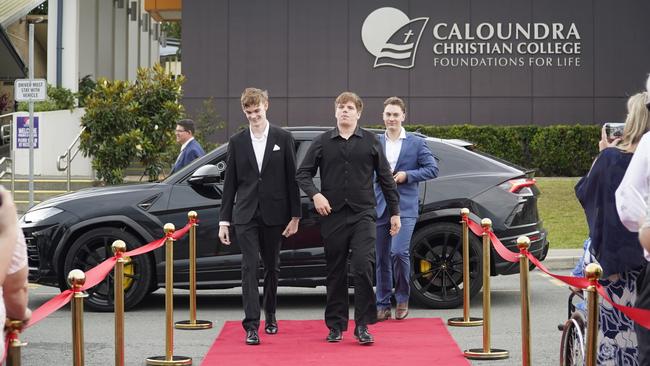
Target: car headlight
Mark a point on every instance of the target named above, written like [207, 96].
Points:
[40, 215]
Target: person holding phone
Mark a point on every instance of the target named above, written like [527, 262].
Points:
[615, 248]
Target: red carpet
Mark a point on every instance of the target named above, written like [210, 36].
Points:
[302, 342]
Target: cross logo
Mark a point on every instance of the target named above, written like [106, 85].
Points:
[390, 36]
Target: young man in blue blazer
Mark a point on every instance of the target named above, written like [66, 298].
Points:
[190, 148]
[411, 162]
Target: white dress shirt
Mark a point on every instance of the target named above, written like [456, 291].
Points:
[632, 193]
[183, 148]
[393, 148]
[259, 145]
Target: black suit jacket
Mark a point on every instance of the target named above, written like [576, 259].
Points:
[274, 189]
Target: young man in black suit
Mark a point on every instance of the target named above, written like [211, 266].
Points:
[348, 158]
[260, 177]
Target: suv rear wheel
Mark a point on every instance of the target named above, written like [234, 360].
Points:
[437, 265]
[92, 248]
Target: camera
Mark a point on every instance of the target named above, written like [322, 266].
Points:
[614, 130]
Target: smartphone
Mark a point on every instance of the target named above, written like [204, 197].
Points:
[614, 130]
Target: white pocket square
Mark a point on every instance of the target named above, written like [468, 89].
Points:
[276, 148]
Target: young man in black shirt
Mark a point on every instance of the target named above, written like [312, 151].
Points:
[349, 157]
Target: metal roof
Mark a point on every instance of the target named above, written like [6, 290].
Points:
[11, 65]
[12, 10]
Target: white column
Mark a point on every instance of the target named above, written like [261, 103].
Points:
[155, 46]
[120, 43]
[70, 59]
[88, 38]
[51, 41]
[104, 44]
[132, 46]
[144, 37]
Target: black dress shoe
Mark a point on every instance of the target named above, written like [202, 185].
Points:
[271, 326]
[252, 338]
[362, 335]
[335, 335]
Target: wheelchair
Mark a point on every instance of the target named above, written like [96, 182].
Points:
[573, 342]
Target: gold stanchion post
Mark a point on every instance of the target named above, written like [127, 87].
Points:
[466, 320]
[593, 272]
[76, 280]
[13, 328]
[169, 358]
[486, 353]
[193, 323]
[119, 247]
[523, 243]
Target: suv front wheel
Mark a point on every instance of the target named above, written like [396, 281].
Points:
[92, 248]
[437, 265]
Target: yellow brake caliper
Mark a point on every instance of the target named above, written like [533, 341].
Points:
[425, 266]
[129, 271]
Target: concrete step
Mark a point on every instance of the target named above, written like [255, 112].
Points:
[49, 184]
[39, 195]
[44, 188]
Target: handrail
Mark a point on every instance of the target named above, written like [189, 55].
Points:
[69, 156]
[8, 170]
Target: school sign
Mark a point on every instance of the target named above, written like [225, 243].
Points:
[473, 61]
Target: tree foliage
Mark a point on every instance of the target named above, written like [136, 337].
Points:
[208, 123]
[126, 122]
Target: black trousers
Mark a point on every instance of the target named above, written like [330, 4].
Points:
[643, 302]
[348, 233]
[256, 238]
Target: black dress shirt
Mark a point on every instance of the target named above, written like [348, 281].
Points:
[347, 169]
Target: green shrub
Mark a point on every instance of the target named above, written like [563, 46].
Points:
[565, 151]
[551, 150]
[86, 86]
[57, 99]
[126, 122]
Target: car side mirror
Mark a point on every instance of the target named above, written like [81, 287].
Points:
[207, 174]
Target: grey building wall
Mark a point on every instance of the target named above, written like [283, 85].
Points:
[305, 52]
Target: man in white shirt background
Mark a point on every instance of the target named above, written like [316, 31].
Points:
[411, 162]
[190, 148]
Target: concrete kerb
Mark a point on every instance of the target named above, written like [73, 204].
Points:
[562, 259]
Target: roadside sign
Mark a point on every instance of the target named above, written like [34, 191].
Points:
[30, 90]
[22, 132]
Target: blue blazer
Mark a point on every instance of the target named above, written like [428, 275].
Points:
[416, 159]
[192, 151]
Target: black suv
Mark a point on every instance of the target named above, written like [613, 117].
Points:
[76, 230]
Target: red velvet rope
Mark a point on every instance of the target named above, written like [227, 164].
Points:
[640, 316]
[97, 274]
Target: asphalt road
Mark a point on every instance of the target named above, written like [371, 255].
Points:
[50, 340]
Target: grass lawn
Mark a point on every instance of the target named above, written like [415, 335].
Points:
[561, 212]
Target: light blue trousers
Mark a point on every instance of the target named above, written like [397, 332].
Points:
[393, 262]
